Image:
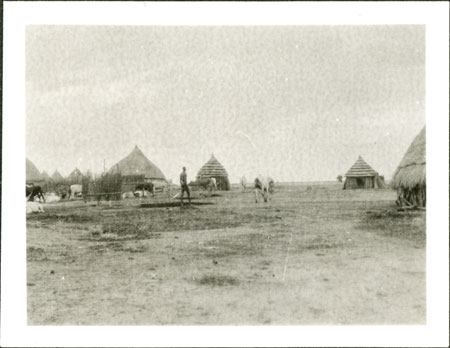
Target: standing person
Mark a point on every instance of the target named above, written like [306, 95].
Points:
[184, 186]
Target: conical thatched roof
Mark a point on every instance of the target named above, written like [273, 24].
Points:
[45, 175]
[137, 164]
[76, 175]
[212, 168]
[412, 169]
[57, 176]
[360, 169]
[32, 173]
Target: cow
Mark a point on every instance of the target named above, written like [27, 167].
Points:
[34, 207]
[52, 197]
[127, 195]
[148, 186]
[243, 182]
[141, 193]
[33, 191]
[75, 191]
[263, 186]
[205, 183]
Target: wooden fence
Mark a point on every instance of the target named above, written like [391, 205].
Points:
[103, 187]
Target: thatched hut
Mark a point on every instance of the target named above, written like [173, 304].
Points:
[410, 176]
[45, 176]
[33, 176]
[362, 176]
[75, 177]
[57, 177]
[213, 169]
[136, 169]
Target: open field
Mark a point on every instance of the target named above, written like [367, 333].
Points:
[312, 255]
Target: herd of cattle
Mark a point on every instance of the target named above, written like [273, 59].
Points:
[35, 196]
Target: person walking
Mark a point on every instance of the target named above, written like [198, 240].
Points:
[184, 186]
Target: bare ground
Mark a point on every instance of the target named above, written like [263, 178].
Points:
[316, 255]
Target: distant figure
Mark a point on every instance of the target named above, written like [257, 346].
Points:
[271, 185]
[184, 186]
[243, 182]
[169, 187]
[213, 184]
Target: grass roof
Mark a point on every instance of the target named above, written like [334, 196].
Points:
[411, 171]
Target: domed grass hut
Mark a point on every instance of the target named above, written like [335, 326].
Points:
[410, 176]
[213, 169]
[362, 176]
[136, 169]
[32, 175]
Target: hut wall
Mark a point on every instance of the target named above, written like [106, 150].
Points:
[366, 182]
[129, 182]
[223, 183]
[416, 195]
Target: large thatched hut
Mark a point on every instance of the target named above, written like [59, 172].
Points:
[213, 169]
[410, 176]
[362, 176]
[33, 176]
[135, 169]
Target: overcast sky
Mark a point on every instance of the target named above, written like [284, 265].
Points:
[296, 103]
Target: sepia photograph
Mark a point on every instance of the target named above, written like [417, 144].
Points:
[226, 175]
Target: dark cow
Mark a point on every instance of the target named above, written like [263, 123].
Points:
[205, 184]
[34, 191]
[148, 186]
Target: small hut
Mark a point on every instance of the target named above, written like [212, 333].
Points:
[57, 177]
[76, 177]
[362, 176]
[45, 176]
[136, 169]
[33, 176]
[213, 169]
[410, 176]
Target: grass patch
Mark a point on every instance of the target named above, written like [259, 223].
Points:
[118, 246]
[68, 218]
[407, 225]
[248, 244]
[213, 280]
[36, 254]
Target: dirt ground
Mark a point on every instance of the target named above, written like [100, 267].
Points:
[312, 255]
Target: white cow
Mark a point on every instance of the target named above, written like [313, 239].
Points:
[75, 190]
[129, 194]
[263, 185]
[140, 193]
[243, 182]
[52, 197]
[34, 207]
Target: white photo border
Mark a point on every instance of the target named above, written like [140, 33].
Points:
[434, 15]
